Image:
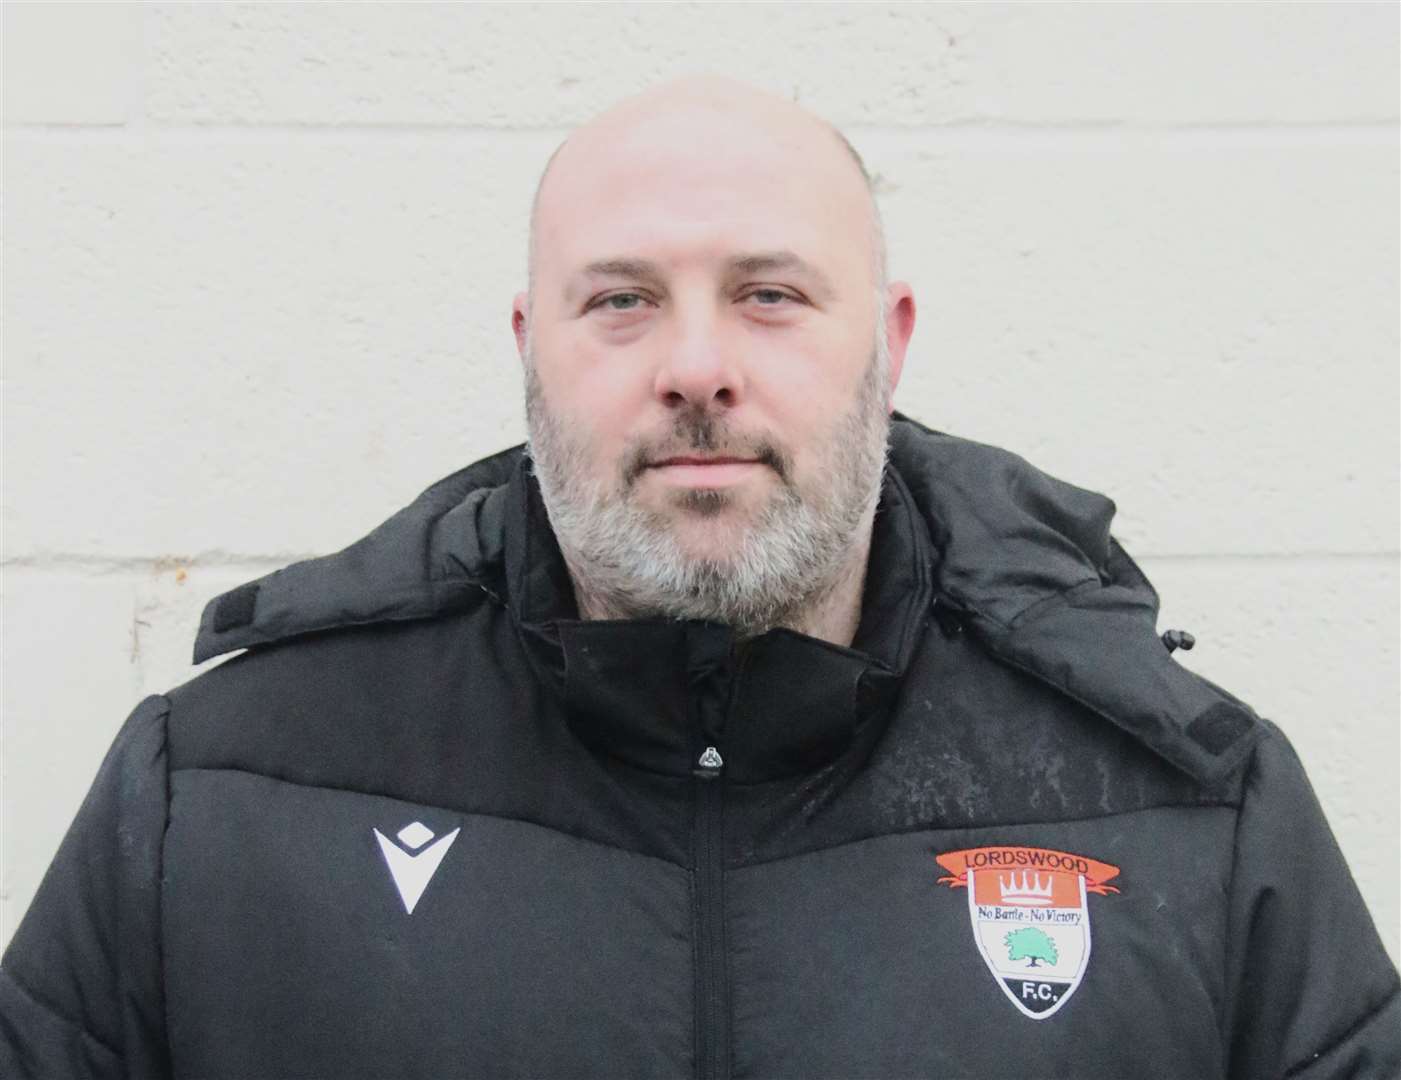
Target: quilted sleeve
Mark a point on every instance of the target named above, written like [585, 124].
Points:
[1311, 990]
[80, 985]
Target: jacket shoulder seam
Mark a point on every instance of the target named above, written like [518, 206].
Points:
[437, 806]
[1228, 1018]
[433, 598]
[1057, 681]
[1037, 608]
[1332, 1044]
[160, 891]
[58, 1015]
[1011, 824]
[329, 625]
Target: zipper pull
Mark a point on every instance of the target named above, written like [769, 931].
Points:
[709, 765]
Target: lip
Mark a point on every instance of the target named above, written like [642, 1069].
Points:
[705, 472]
[696, 460]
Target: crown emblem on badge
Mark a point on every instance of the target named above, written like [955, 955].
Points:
[1028, 890]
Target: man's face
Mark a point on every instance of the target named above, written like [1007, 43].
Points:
[707, 372]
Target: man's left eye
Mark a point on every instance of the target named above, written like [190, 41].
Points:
[772, 297]
[626, 296]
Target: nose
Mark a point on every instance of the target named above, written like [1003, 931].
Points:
[699, 371]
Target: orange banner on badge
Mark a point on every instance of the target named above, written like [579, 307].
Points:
[1062, 870]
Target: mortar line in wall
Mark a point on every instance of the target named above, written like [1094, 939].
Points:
[953, 134]
[149, 563]
[1268, 556]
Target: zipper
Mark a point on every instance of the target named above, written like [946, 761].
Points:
[712, 989]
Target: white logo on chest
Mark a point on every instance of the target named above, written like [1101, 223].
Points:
[412, 870]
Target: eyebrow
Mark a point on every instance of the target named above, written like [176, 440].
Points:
[751, 263]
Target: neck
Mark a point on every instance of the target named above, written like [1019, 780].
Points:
[835, 613]
[831, 613]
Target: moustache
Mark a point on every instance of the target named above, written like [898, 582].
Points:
[695, 434]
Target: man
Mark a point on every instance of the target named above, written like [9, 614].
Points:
[738, 730]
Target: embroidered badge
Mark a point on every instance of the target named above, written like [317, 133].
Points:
[1030, 919]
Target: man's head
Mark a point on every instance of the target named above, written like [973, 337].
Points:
[710, 353]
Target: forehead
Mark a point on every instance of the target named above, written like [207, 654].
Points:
[682, 197]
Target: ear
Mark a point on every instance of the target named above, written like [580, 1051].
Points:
[520, 317]
[899, 328]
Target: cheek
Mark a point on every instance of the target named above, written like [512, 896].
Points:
[807, 397]
[810, 409]
[594, 401]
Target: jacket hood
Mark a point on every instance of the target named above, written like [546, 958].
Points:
[980, 538]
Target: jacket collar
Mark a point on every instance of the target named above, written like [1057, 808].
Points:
[657, 692]
[1024, 561]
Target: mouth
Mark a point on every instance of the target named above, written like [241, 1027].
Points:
[702, 471]
[697, 460]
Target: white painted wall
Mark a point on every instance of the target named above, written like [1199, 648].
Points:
[259, 263]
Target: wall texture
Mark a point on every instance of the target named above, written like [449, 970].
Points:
[259, 262]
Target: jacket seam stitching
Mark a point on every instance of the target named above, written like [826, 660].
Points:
[1223, 805]
[1362, 1021]
[1208, 772]
[697, 989]
[921, 563]
[160, 892]
[425, 593]
[61, 1017]
[1228, 996]
[437, 806]
[1061, 598]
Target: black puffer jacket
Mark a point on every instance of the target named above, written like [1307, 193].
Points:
[430, 824]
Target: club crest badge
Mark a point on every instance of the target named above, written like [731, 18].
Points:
[1031, 921]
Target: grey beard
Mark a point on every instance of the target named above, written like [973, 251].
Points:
[627, 563]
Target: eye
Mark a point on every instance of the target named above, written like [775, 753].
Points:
[772, 297]
[607, 303]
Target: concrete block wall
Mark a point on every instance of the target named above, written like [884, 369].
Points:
[259, 262]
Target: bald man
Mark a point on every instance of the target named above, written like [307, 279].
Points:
[711, 350]
[734, 726]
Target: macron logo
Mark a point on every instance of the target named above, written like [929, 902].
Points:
[412, 870]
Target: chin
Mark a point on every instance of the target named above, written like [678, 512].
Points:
[713, 538]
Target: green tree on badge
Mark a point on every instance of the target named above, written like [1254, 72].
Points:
[1031, 943]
